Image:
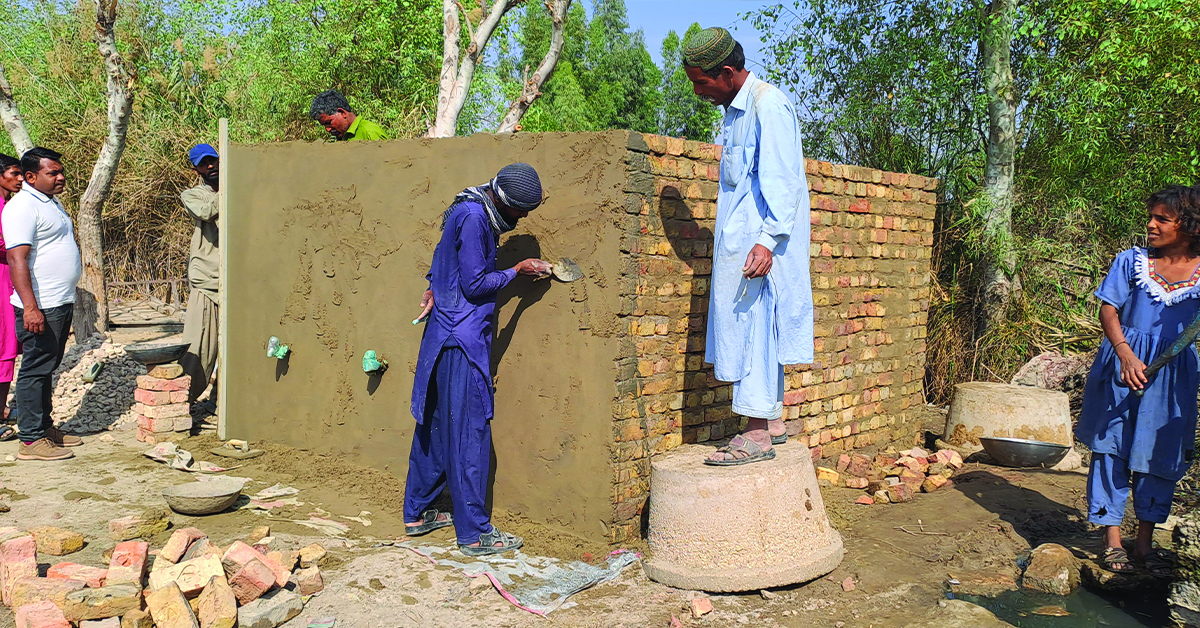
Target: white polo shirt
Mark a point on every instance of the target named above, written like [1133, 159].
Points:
[40, 222]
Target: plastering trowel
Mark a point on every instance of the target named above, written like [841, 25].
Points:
[566, 270]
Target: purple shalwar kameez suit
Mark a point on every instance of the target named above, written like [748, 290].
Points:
[452, 392]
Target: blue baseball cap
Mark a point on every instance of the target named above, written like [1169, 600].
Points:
[200, 151]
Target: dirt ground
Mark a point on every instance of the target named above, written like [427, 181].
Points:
[899, 556]
[974, 530]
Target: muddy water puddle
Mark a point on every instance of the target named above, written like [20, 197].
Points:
[1086, 607]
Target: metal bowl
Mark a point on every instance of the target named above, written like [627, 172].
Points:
[1022, 452]
[203, 498]
[151, 354]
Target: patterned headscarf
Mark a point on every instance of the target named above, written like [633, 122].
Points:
[708, 48]
[516, 185]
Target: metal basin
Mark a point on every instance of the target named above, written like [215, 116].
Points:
[203, 498]
[151, 354]
[1021, 452]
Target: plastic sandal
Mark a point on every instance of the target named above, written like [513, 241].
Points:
[429, 523]
[7, 433]
[487, 544]
[739, 443]
[1158, 564]
[779, 440]
[1116, 560]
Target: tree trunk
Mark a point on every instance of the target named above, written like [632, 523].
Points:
[10, 114]
[91, 310]
[531, 87]
[458, 70]
[1000, 282]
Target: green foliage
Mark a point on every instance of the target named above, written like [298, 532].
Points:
[257, 62]
[1107, 92]
[605, 78]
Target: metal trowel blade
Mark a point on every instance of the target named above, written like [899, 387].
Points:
[566, 270]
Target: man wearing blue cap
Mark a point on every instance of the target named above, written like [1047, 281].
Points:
[204, 274]
[452, 398]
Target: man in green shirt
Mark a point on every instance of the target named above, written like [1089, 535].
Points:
[332, 110]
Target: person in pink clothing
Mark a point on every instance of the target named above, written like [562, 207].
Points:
[10, 183]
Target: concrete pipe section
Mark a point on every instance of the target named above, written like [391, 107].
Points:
[990, 410]
[740, 528]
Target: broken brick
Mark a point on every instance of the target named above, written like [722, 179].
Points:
[179, 543]
[93, 576]
[43, 614]
[18, 559]
[251, 581]
[57, 541]
[128, 563]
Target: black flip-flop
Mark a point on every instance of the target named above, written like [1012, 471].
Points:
[429, 523]
[1158, 564]
[7, 433]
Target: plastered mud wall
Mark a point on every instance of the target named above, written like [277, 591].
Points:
[328, 245]
[327, 248]
[872, 235]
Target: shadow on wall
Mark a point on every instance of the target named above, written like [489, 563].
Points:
[517, 247]
[690, 242]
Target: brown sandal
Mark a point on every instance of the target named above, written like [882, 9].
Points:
[1116, 560]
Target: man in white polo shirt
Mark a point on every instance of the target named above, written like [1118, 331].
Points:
[43, 259]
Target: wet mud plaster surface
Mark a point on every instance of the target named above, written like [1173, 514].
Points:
[328, 246]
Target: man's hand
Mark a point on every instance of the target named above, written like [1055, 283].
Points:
[426, 305]
[758, 262]
[35, 323]
[533, 267]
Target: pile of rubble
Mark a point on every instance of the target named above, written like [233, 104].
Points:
[892, 476]
[83, 406]
[193, 583]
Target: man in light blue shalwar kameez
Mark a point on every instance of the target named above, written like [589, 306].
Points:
[760, 310]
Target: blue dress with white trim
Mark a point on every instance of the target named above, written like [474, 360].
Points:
[1156, 432]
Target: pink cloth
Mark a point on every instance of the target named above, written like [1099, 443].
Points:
[9, 347]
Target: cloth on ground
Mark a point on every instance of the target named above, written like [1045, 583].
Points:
[536, 584]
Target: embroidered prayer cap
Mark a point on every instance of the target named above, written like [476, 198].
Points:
[518, 186]
[708, 48]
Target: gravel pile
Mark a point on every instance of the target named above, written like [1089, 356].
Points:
[85, 408]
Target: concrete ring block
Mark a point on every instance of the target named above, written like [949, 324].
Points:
[991, 410]
[740, 528]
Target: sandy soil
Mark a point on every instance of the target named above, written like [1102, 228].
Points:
[978, 527]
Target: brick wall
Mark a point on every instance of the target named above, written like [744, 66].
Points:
[872, 234]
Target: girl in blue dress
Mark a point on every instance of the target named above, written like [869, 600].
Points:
[1144, 443]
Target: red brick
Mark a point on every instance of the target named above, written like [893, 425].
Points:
[251, 581]
[239, 554]
[42, 614]
[29, 590]
[179, 396]
[93, 576]
[309, 580]
[152, 398]
[128, 563]
[156, 426]
[18, 559]
[146, 382]
[163, 412]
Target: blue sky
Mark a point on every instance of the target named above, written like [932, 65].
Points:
[657, 17]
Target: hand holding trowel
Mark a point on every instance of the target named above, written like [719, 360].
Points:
[564, 270]
[1181, 343]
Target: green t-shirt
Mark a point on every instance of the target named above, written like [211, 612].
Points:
[363, 129]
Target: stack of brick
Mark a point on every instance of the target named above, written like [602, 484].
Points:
[190, 583]
[893, 477]
[872, 237]
[162, 403]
